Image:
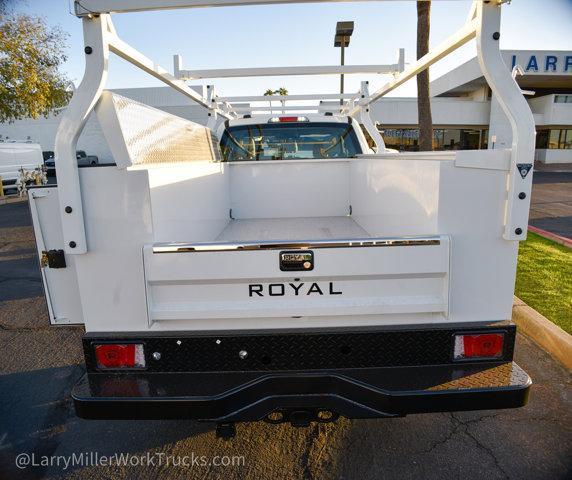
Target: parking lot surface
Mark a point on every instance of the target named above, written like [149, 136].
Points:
[551, 202]
[39, 365]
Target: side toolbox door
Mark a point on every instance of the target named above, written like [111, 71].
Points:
[57, 269]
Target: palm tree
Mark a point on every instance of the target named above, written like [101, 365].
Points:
[269, 93]
[423, 102]
[282, 91]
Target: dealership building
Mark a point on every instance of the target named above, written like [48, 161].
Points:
[465, 113]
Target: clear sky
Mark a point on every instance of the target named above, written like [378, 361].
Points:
[288, 35]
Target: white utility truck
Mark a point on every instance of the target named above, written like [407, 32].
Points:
[271, 266]
[15, 157]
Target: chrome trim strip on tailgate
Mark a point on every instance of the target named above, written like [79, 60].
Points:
[289, 244]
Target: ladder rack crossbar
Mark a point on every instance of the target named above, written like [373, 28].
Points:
[287, 108]
[388, 69]
[277, 98]
[89, 7]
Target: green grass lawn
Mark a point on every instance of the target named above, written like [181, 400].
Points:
[544, 279]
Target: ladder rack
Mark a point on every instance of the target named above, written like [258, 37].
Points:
[225, 104]
[101, 39]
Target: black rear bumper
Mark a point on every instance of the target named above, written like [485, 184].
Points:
[358, 373]
[249, 396]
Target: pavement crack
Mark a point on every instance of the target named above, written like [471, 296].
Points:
[307, 457]
[466, 424]
[458, 426]
[454, 430]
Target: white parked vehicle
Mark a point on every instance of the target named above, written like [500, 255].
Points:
[284, 272]
[18, 156]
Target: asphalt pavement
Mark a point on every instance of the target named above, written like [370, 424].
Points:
[551, 202]
[39, 365]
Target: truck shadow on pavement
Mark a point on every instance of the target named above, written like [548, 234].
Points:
[37, 417]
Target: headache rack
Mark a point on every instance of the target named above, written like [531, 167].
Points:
[101, 39]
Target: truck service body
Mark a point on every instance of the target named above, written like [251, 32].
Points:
[272, 266]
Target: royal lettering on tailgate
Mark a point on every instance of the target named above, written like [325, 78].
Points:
[292, 289]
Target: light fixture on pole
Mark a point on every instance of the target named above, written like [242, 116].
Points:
[344, 31]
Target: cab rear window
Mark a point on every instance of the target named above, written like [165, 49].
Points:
[289, 141]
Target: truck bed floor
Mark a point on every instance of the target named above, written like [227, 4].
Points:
[308, 228]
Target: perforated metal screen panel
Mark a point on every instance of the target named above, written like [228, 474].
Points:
[141, 135]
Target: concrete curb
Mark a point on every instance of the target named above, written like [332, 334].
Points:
[566, 242]
[543, 332]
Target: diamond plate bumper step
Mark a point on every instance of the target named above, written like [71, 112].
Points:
[249, 396]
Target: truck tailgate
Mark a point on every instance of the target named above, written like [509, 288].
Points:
[368, 276]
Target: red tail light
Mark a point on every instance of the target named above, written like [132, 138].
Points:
[288, 119]
[113, 355]
[485, 345]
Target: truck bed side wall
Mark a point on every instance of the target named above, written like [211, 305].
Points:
[190, 202]
[117, 210]
[424, 197]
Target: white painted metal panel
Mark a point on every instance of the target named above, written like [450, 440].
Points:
[462, 195]
[483, 264]
[391, 196]
[190, 201]
[372, 280]
[60, 284]
[118, 221]
[484, 159]
[290, 188]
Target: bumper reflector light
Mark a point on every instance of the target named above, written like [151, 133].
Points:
[484, 345]
[113, 355]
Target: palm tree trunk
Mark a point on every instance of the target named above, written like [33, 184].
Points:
[423, 103]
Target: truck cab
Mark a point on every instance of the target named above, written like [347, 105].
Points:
[291, 137]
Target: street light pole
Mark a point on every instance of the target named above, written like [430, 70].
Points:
[344, 31]
[343, 49]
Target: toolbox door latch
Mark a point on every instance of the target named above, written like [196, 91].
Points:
[53, 259]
